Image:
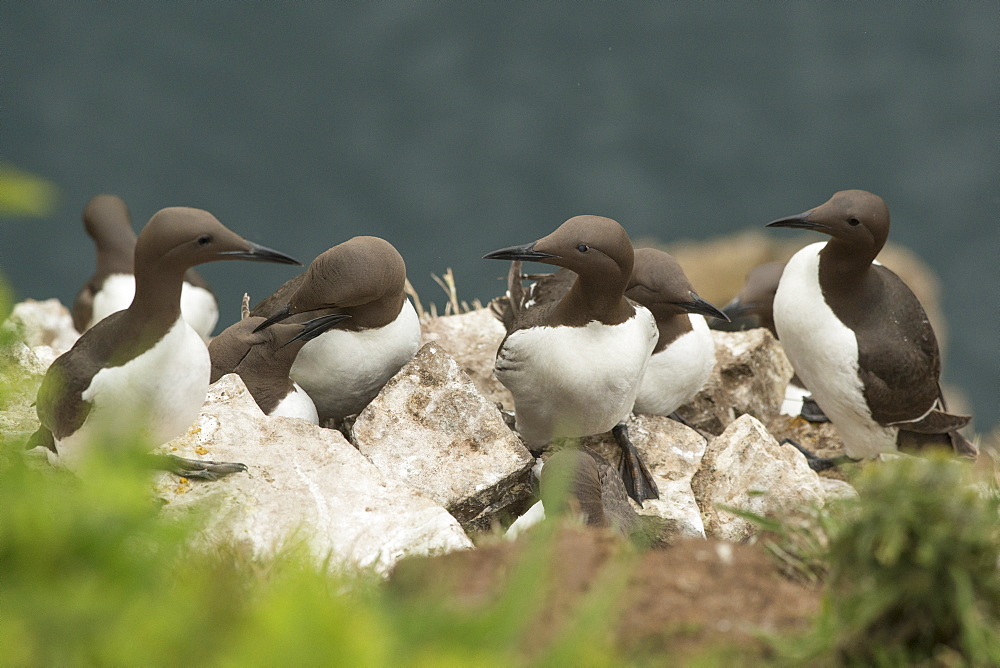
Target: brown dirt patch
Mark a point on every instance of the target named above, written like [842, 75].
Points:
[679, 601]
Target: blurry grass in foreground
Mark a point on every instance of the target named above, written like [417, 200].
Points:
[913, 569]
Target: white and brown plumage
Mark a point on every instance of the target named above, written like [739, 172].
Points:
[264, 358]
[141, 374]
[684, 355]
[574, 364]
[858, 337]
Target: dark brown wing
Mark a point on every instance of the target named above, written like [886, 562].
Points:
[506, 308]
[59, 404]
[900, 365]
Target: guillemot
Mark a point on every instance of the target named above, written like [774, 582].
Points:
[345, 367]
[107, 221]
[754, 307]
[684, 356]
[264, 358]
[858, 337]
[140, 375]
[574, 365]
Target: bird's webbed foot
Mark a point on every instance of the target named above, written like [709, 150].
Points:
[637, 478]
[199, 469]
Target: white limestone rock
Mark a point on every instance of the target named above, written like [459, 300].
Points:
[745, 468]
[432, 429]
[750, 377]
[472, 339]
[44, 323]
[304, 483]
[673, 454]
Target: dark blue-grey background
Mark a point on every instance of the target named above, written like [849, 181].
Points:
[452, 129]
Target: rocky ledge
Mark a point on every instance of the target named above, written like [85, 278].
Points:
[431, 461]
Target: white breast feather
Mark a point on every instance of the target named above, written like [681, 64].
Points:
[676, 373]
[157, 395]
[343, 371]
[575, 381]
[115, 295]
[824, 353]
[297, 405]
[199, 308]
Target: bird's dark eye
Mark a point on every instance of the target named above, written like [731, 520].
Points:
[204, 239]
[583, 248]
[853, 222]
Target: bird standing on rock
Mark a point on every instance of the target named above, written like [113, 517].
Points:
[141, 374]
[859, 338]
[684, 356]
[345, 367]
[574, 364]
[107, 221]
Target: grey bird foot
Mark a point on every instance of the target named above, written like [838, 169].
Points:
[811, 412]
[637, 478]
[817, 463]
[199, 469]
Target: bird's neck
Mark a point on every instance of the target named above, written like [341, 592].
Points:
[591, 299]
[844, 263]
[158, 294]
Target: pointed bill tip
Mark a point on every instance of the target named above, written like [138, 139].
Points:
[277, 317]
[800, 221]
[700, 306]
[258, 253]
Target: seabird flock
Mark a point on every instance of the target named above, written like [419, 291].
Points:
[615, 330]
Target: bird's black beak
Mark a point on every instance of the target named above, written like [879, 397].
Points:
[277, 317]
[525, 252]
[799, 222]
[258, 253]
[316, 326]
[699, 305]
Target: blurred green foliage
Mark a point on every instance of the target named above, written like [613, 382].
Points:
[914, 570]
[25, 194]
